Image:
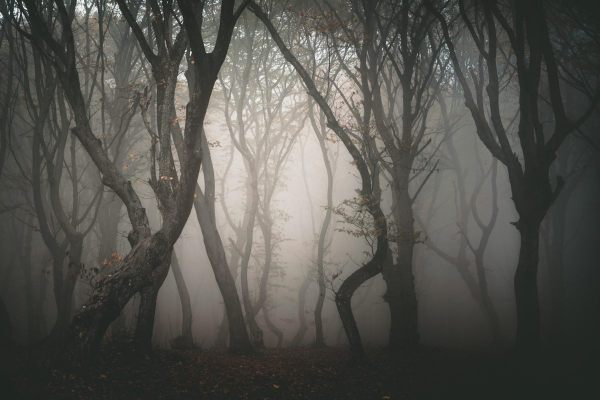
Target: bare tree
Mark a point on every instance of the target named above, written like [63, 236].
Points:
[175, 195]
[520, 30]
[369, 194]
[263, 129]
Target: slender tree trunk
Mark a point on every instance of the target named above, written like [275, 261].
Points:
[238, 335]
[185, 340]
[65, 280]
[303, 327]
[204, 205]
[319, 337]
[485, 301]
[234, 260]
[256, 334]
[272, 327]
[28, 271]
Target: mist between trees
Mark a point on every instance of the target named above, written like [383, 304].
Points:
[265, 173]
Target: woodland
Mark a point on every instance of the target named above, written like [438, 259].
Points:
[308, 199]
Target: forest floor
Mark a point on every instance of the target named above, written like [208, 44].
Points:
[305, 373]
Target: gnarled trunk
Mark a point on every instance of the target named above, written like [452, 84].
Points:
[343, 297]
[112, 293]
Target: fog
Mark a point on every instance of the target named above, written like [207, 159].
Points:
[386, 176]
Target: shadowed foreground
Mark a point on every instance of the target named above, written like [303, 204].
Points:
[307, 373]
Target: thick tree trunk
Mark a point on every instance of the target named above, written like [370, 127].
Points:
[557, 221]
[526, 289]
[185, 340]
[147, 308]
[115, 288]
[109, 217]
[401, 294]
[145, 319]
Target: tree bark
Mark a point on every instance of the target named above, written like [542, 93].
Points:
[185, 340]
[526, 290]
[204, 205]
[401, 294]
[147, 307]
[319, 130]
[343, 297]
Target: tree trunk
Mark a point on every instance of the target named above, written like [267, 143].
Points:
[343, 297]
[485, 302]
[185, 340]
[526, 289]
[256, 334]
[64, 287]
[401, 294]
[204, 205]
[303, 327]
[113, 290]
[234, 259]
[29, 292]
[238, 335]
[147, 308]
[319, 337]
[273, 328]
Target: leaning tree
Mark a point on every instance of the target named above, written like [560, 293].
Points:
[50, 28]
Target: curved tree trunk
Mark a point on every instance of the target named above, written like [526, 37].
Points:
[343, 297]
[320, 131]
[185, 340]
[113, 291]
[204, 205]
[369, 193]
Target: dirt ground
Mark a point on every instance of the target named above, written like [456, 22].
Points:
[306, 373]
